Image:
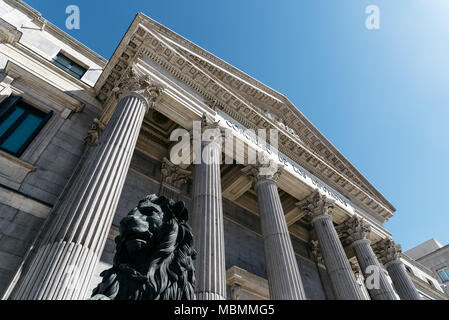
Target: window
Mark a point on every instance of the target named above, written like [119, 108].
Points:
[19, 124]
[69, 66]
[444, 274]
[408, 269]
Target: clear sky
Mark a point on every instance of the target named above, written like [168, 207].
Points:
[380, 96]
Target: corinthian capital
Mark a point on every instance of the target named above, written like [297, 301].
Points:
[137, 83]
[387, 251]
[174, 175]
[258, 172]
[316, 205]
[353, 229]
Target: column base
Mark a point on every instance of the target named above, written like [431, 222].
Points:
[60, 271]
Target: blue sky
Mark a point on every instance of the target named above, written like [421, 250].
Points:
[380, 96]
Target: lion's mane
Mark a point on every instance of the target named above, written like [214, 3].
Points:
[163, 268]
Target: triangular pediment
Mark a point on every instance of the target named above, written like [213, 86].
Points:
[245, 99]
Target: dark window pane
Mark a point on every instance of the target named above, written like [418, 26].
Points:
[23, 132]
[77, 70]
[69, 66]
[19, 124]
[63, 61]
[10, 119]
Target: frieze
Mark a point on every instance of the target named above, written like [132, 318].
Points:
[255, 140]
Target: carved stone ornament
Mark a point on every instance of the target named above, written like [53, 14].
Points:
[355, 267]
[174, 175]
[263, 172]
[154, 255]
[316, 204]
[93, 135]
[387, 250]
[353, 229]
[208, 122]
[316, 251]
[135, 82]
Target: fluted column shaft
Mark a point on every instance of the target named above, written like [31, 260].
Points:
[319, 208]
[390, 254]
[284, 280]
[337, 264]
[401, 280]
[66, 259]
[207, 225]
[366, 258]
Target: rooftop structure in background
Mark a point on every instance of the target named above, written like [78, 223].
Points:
[435, 257]
[423, 249]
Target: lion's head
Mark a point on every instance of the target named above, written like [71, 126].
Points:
[154, 254]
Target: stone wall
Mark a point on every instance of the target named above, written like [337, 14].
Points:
[17, 231]
[56, 163]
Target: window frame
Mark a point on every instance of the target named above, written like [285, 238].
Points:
[446, 271]
[72, 62]
[7, 108]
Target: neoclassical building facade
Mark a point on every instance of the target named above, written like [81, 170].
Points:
[83, 139]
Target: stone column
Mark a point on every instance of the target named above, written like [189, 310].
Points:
[69, 252]
[284, 280]
[337, 264]
[390, 254]
[207, 217]
[359, 279]
[355, 231]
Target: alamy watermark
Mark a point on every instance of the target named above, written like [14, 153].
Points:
[372, 21]
[73, 20]
[372, 277]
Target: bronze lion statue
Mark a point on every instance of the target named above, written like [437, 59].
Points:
[154, 255]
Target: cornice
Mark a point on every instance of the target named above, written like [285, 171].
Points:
[34, 82]
[143, 39]
[8, 33]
